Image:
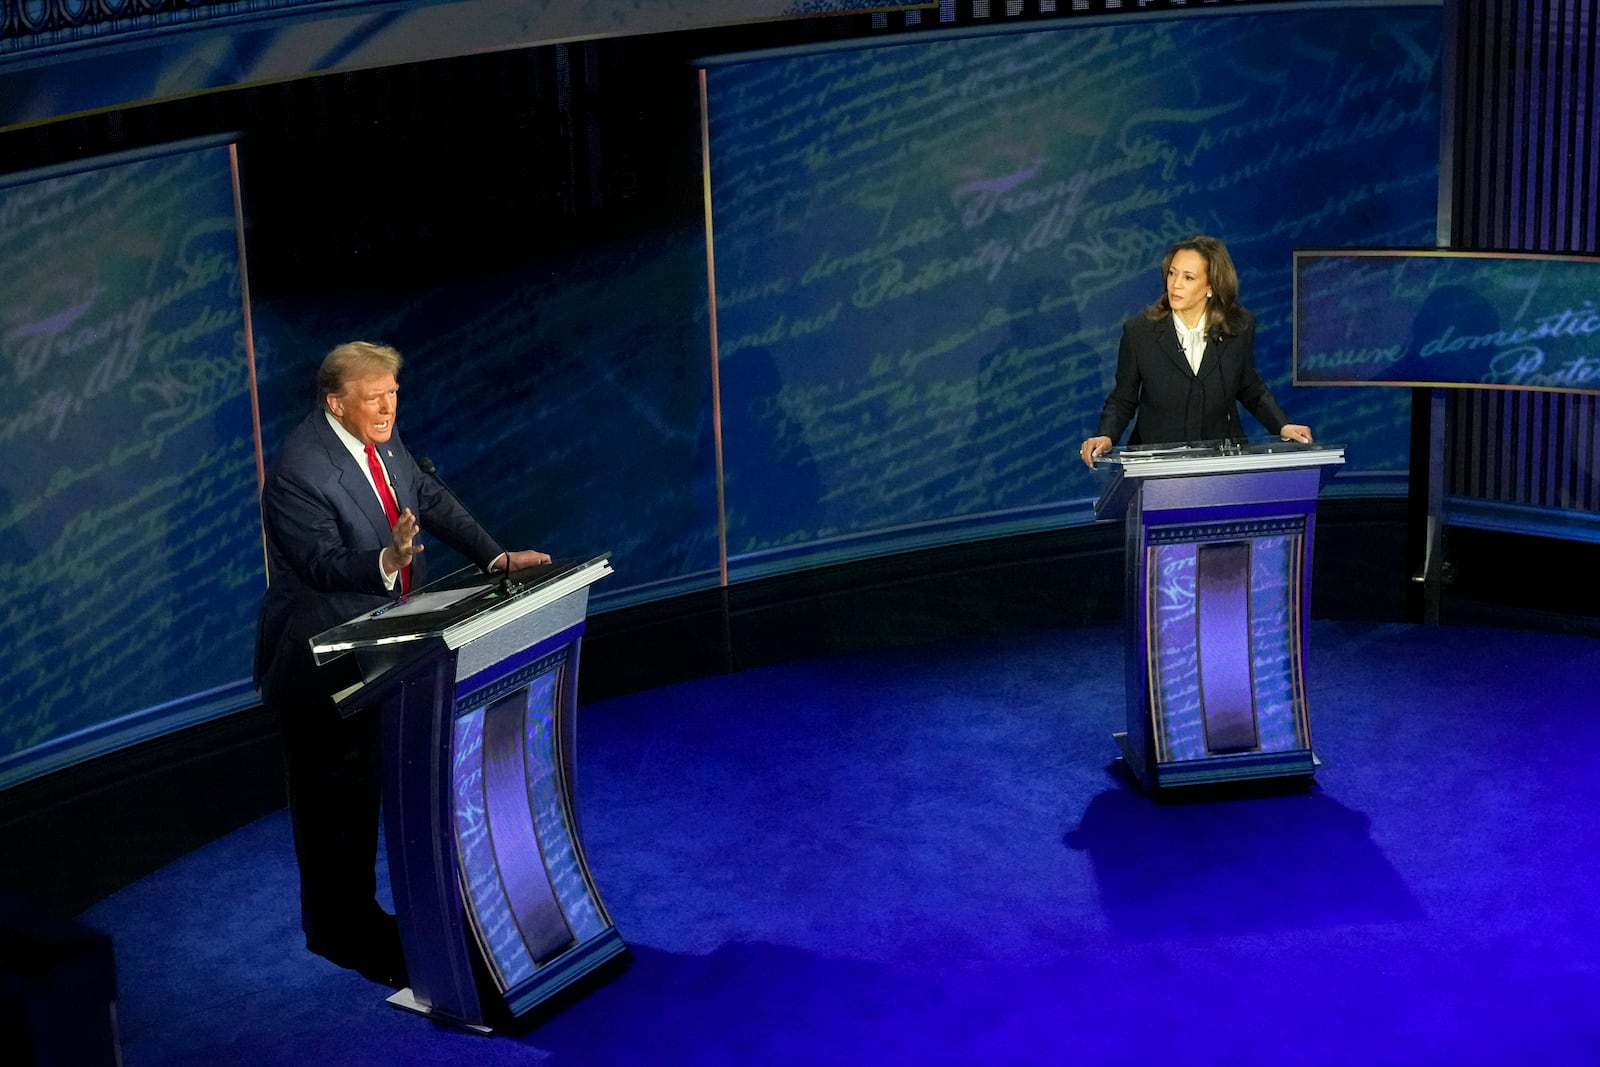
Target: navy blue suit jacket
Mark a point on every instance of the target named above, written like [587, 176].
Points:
[1175, 404]
[325, 530]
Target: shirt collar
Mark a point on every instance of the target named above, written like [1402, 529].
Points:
[1200, 327]
[351, 442]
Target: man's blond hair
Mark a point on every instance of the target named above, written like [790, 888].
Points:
[352, 360]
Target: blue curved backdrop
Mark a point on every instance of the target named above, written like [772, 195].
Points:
[922, 253]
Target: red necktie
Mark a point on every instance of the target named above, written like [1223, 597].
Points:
[381, 480]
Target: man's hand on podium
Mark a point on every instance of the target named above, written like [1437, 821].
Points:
[519, 561]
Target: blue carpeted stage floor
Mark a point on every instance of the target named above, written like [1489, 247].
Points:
[927, 857]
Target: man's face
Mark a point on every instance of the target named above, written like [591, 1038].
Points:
[366, 406]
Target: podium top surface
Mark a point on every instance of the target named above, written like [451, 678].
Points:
[1136, 465]
[460, 606]
[1219, 457]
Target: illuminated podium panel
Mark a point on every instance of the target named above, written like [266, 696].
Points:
[476, 681]
[1218, 561]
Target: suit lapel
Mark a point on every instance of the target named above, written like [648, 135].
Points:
[353, 480]
[1167, 341]
[1215, 350]
[405, 491]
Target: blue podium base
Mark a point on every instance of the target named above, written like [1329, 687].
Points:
[1235, 767]
[566, 970]
[555, 977]
[405, 1000]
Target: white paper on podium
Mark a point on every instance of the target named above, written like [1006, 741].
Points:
[421, 603]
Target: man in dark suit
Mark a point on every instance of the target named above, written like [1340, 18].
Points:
[1188, 360]
[342, 506]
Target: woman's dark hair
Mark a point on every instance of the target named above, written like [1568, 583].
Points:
[1225, 316]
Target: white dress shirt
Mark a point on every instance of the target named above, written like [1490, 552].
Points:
[1193, 341]
[358, 452]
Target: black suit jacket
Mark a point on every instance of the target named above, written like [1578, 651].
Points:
[325, 530]
[1175, 404]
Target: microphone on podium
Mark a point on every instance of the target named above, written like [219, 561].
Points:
[426, 466]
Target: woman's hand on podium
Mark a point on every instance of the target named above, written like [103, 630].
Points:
[1290, 431]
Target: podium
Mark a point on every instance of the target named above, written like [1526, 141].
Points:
[1218, 543]
[476, 683]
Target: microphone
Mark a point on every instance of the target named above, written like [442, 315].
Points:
[1233, 437]
[426, 466]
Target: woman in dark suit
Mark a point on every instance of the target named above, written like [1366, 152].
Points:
[1188, 360]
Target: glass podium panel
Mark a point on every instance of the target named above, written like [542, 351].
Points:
[449, 606]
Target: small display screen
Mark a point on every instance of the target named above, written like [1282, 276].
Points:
[1437, 318]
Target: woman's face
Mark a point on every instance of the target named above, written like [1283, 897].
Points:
[1187, 287]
